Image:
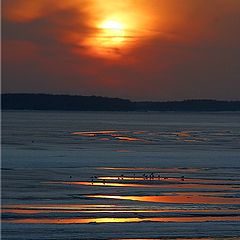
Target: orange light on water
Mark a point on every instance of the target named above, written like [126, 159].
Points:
[121, 220]
[146, 184]
[128, 139]
[116, 210]
[95, 133]
[106, 184]
[180, 198]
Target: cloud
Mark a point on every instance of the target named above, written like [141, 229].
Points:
[173, 49]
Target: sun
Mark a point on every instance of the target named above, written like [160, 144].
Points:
[111, 33]
[113, 29]
[113, 25]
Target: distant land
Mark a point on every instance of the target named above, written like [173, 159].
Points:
[94, 103]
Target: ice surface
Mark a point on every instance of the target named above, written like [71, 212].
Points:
[78, 175]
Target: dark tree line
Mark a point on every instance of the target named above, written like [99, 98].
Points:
[94, 103]
[63, 102]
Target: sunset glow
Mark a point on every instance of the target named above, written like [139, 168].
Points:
[181, 198]
[112, 33]
[140, 50]
[120, 220]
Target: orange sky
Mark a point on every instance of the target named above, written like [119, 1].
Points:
[152, 49]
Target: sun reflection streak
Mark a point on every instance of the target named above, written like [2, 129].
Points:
[178, 198]
[146, 184]
[29, 211]
[121, 220]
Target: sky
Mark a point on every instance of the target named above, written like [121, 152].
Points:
[135, 49]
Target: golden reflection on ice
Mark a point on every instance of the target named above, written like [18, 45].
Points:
[183, 134]
[161, 178]
[70, 208]
[179, 198]
[106, 184]
[118, 135]
[128, 139]
[24, 211]
[29, 211]
[120, 220]
[147, 184]
[94, 133]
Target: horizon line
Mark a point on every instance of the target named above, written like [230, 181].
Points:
[123, 98]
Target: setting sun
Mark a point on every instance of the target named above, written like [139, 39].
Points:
[111, 33]
[114, 30]
[112, 25]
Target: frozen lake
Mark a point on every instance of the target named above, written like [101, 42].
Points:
[88, 175]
